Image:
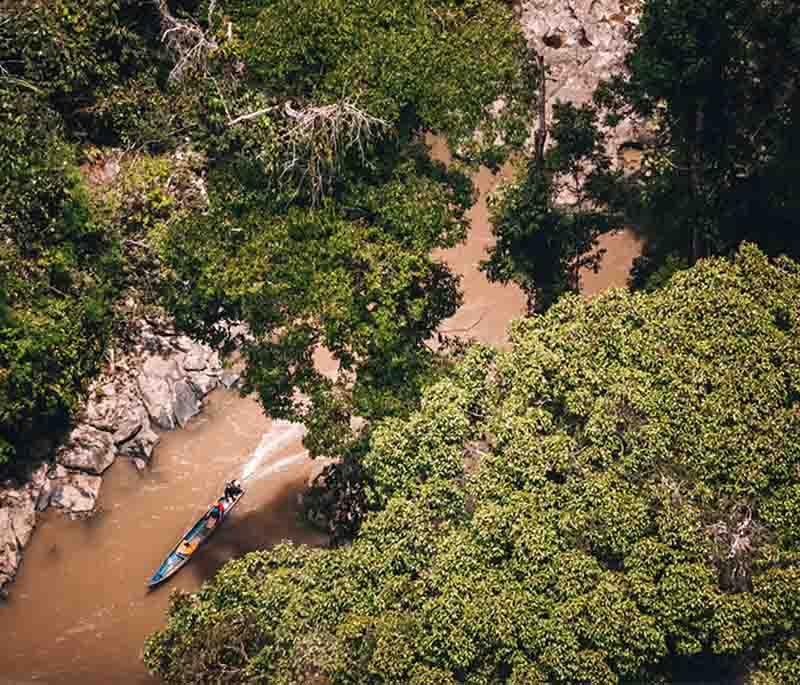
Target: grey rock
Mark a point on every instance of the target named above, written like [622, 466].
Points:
[9, 548]
[108, 408]
[23, 519]
[38, 488]
[38, 481]
[229, 378]
[214, 362]
[129, 425]
[196, 359]
[157, 366]
[87, 449]
[156, 381]
[202, 383]
[127, 429]
[183, 343]
[141, 446]
[17, 521]
[43, 497]
[140, 464]
[157, 397]
[74, 492]
[100, 410]
[186, 403]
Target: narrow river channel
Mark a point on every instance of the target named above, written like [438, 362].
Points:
[78, 612]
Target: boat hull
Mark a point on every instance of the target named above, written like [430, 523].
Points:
[189, 543]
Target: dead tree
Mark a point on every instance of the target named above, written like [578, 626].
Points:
[735, 543]
[316, 138]
[319, 138]
[188, 42]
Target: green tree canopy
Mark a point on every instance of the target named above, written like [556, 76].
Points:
[718, 83]
[307, 120]
[325, 205]
[547, 220]
[613, 499]
[72, 73]
[54, 276]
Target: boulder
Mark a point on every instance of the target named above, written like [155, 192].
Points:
[22, 514]
[157, 398]
[196, 359]
[109, 408]
[183, 343]
[73, 491]
[87, 449]
[101, 407]
[229, 378]
[37, 484]
[9, 548]
[17, 521]
[129, 425]
[186, 403]
[155, 381]
[43, 497]
[141, 446]
[202, 383]
[214, 362]
[165, 368]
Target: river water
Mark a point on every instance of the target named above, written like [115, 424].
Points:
[78, 612]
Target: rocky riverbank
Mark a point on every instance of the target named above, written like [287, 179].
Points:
[582, 42]
[159, 385]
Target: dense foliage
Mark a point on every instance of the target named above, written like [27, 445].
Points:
[613, 499]
[65, 251]
[547, 220]
[54, 275]
[718, 83]
[324, 204]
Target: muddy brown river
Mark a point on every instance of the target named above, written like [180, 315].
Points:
[78, 612]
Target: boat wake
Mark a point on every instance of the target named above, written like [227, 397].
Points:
[269, 469]
[281, 435]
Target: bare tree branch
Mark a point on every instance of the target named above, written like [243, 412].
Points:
[187, 40]
[736, 541]
[319, 136]
[250, 115]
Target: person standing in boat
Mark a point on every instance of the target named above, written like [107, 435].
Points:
[233, 489]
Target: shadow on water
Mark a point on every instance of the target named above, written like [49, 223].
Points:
[79, 610]
[275, 520]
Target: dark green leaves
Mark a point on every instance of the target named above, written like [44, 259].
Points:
[565, 511]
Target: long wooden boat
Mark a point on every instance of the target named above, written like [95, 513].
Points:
[190, 542]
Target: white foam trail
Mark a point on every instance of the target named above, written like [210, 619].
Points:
[269, 469]
[279, 436]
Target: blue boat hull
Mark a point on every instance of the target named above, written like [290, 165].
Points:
[190, 542]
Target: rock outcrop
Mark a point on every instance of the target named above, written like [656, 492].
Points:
[17, 521]
[582, 42]
[160, 383]
[74, 492]
[87, 449]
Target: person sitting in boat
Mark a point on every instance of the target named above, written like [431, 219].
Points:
[187, 548]
[216, 513]
[233, 488]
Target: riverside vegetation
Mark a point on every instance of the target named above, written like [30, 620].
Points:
[613, 499]
[627, 511]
